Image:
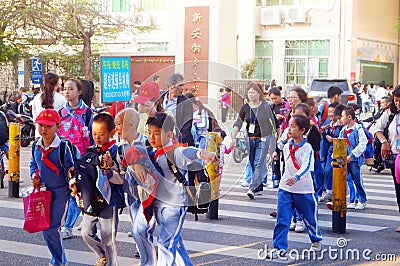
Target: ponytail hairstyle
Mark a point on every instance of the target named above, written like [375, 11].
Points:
[50, 84]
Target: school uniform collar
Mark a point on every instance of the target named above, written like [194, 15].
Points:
[291, 142]
[81, 105]
[105, 147]
[56, 142]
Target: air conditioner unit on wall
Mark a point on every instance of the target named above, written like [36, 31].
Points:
[271, 16]
[296, 15]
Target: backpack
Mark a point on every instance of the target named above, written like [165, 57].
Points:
[72, 127]
[89, 199]
[198, 188]
[369, 151]
[4, 133]
[325, 112]
[389, 162]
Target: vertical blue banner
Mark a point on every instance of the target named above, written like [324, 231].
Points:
[115, 79]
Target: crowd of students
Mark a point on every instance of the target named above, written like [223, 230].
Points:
[150, 137]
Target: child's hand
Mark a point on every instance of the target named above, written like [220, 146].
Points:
[71, 172]
[349, 159]
[208, 157]
[329, 138]
[291, 181]
[36, 182]
[140, 172]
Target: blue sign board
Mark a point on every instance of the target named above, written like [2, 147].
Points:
[115, 79]
[37, 71]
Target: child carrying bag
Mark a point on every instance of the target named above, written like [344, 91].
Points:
[37, 211]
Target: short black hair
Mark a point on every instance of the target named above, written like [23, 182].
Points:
[275, 91]
[228, 89]
[338, 110]
[161, 120]
[105, 118]
[302, 122]
[304, 107]
[349, 111]
[334, 90]
[333, 105]
[137, 82]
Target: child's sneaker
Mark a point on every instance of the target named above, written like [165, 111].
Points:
[329, 205]
[360, 206]
[101, 262]
[351, 205]
[66, 233]
[316, 247]
[292, 226]
[274, 214]
[276, 254]
[325, 197]
[300, 227]
[245, 183]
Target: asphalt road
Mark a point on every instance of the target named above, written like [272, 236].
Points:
[240, 235]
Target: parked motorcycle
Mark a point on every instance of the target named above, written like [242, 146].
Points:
[27, 127]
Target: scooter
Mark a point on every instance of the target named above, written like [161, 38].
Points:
[27, 127]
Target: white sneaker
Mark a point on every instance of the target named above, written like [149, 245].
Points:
[360, 206]
[66, 233]
[250, 194]
[245, 184]
[316, 247]
[300, 227]
[351, 205]
[325, 197]
[292, 226]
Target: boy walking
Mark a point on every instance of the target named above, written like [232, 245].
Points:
[53, 174]
[356, 145]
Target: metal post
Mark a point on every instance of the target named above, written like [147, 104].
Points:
[339, 184]
[13, 162]
[213, 145]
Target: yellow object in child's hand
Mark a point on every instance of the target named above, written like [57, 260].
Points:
[104, 161]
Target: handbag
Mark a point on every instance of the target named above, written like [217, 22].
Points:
[37, 211]
[390, 161]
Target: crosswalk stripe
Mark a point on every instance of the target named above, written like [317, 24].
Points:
[41, 251]
[266, 196]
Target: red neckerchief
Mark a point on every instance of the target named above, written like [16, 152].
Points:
[292, 151]
[47, 161]
[105, 147]
[346, 133]
[167, 149]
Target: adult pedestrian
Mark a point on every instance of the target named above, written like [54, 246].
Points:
[260, 126]
[387, 130]
[225, 102]
[48, 99]
[181, 108]
[380, 93]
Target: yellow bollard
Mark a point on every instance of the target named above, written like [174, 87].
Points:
[339, 184]
[213, 145]
[13, 162]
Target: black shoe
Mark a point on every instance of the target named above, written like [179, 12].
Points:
[379, 169]
[136, 254]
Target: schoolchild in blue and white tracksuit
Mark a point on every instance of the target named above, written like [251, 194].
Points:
[296, 188]
[53, 174]
[126, 124]
[171, 198]
[103, 129]
[356, 145]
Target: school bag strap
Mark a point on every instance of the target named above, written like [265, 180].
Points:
[325, 112]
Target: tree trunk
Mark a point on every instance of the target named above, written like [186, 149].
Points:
[86, 60]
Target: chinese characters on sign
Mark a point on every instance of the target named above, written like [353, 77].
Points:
[115, 79]
[197, 49]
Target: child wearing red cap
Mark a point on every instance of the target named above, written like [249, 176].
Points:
[54, 175]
